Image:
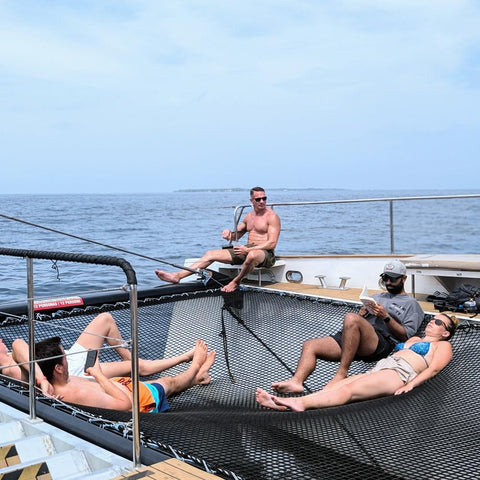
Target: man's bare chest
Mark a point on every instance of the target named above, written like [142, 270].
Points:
[258, 225]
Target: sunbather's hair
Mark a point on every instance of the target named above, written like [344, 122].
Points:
[256, 189]
[453, 324]
[49, 353]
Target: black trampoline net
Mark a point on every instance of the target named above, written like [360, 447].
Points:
[432, 432]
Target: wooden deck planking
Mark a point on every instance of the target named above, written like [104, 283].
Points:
[171, 469]
[349, 294]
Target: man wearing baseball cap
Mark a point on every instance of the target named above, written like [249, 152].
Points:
[366, 335]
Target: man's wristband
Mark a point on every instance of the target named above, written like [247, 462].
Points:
[386, 320]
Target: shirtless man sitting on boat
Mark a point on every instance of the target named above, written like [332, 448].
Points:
[102, 329]
[263, 227]
[116, 393]
[367, 336]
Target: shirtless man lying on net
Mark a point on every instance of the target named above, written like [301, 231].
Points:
[102, 329]
[116, 393]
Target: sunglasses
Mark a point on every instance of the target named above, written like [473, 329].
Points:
[259, 199]
[386, 277]
[439, 322]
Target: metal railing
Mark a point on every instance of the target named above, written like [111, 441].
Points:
[239, 209]
[130, 274]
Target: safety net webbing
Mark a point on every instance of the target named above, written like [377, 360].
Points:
[432, 432]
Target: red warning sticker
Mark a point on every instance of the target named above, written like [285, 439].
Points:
[58, 303]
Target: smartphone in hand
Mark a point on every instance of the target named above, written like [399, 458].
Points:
[91, 359]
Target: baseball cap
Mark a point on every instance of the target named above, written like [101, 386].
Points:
[394, 269]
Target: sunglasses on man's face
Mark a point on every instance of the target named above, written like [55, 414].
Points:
[259, 199]
[386, 277]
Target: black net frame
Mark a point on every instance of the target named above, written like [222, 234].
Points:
[432, 432]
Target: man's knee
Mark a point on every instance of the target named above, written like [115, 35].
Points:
[169, 384]
[352, 320]
[217, 256]
[313, 345]
[326, 348]
[103, 321]
[143, 369]
[209, 255]
[255, 257]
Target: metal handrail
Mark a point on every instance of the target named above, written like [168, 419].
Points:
[29, 255]
[238, 210]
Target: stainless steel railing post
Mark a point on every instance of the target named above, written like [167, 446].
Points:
[135, 376]
[237, 215]
[31, 340]
[392, 241]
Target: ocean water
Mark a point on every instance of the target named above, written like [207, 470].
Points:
[173, 226]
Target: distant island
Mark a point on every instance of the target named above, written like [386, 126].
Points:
[190, 190]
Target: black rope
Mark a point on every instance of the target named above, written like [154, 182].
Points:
[358, 443]
[223, 334]
[249, 330]
[55, 267]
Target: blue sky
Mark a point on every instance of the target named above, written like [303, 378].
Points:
[154, 96]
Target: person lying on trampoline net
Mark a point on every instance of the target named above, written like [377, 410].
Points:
[411, 364]
[116, 393]
[102, 329]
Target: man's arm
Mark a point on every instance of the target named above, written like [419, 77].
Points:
[441, 358]
[109, 395]
[233, 236]
[393, 324]
[409, 322]
[88, 393]
[20, 354]
[414, 316]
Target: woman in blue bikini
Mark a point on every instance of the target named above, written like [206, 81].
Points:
[412, 363]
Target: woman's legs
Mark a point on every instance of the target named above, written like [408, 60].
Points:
[359, 387]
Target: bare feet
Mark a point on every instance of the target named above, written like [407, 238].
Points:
[267, 400]
[189, 355]
[292, 403]
[167, 276]
[230, 287]
[288, 386]
[199, 354]
[203, 375]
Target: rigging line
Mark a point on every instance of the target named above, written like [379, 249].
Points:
[223, 334]
[358, 443]
[12, 315]
[241, 322]
[120, 249]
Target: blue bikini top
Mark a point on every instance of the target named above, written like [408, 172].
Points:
[421, 348]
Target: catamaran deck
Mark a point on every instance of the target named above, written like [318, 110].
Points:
[257, 341]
